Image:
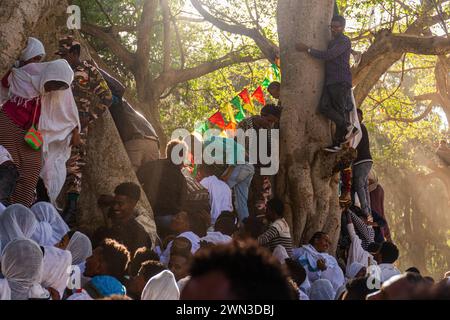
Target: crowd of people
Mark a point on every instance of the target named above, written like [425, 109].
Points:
[221, 233]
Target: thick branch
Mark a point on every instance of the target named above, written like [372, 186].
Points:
[167, 56]
[267, 47]
[420, 117]
[111, 41]
[174, 77]
[144, 33]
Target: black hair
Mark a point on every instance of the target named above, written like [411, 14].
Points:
[129, 189]
[116, 256]
[199, 222]
[75, 49]
[373, 247]
[140, 256]
[252, 271]
[389, 252]
[253, 226]
[277, 206]
[359, 111]
[272, 110]
[339, 19]
[316, 236]
[296, 271]
[172, 144]
[273, 85]
[413, 269]
[151, 268]
[226, 223]
[357, 289]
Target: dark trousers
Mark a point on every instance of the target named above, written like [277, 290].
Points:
[336, 105]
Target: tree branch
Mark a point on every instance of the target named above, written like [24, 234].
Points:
[175, 77]
[415, 119]
[167, 56]
[111, 41]
[144, 32]
[267, 47]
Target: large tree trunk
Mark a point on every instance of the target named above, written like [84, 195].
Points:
[107, 164]
[303, 183]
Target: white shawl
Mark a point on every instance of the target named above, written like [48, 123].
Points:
[33, 49]
[81, 248]
[56, 270]
[51, 227]
[59, 115]
[5, 291]
[308, 256]
[161, 287]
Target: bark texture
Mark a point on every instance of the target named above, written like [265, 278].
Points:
[304, 182]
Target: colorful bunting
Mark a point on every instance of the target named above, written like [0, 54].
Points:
[276, 72]
[265, 84]
[240, 116]
[258, 95]
[237, 103]
[250, 108]
[229, 112]
[245, 96]
[202, 127]
[217, 119]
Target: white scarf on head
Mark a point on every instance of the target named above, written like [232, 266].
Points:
[56, 270]
[161, 287]
[51, 227]
[33, 49]
[59, 115]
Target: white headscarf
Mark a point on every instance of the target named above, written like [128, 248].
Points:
[59, 115]
[322, 289]
[51, 226]
[22, 265]
[355, 267]
[33, 49]
[5, 291]
[81, 248]
[17, 221]
[161, 287]
[56, 273]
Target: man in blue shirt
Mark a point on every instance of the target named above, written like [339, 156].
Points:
[336, 102]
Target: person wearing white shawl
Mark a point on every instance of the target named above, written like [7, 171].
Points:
[161, 287]
[322, 289]
[5, 291]
[51, 227]
[22, 266]
[317, 263]
[280, 254]
[56, 269]
[81, 248]
[34, 52]
[48, 85]
[216, 237]
[17, 221]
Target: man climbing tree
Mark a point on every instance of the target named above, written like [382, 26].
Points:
[336, 102]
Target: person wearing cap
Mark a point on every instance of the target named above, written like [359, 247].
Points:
[92, 97]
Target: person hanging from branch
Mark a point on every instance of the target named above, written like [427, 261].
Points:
[336, 102]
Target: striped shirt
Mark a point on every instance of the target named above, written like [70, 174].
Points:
[277, 234]
[364, 231]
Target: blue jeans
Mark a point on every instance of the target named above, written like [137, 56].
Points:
[240, 180]
[360, 185]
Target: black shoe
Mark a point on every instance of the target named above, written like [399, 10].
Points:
[333, 148]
